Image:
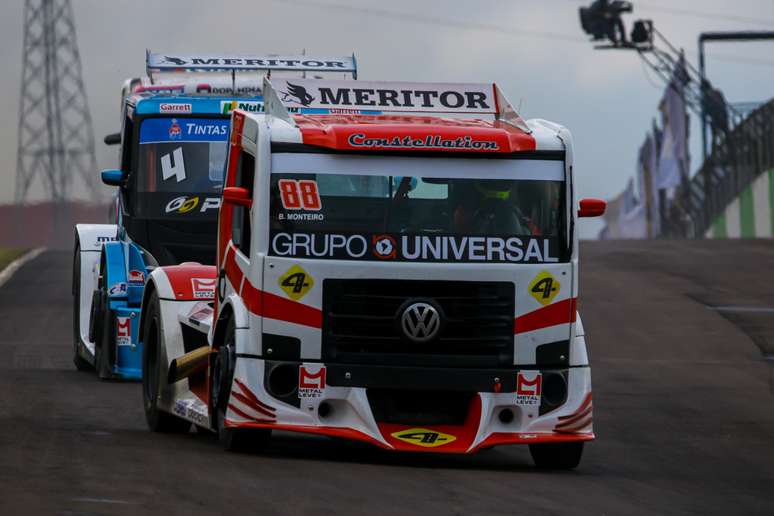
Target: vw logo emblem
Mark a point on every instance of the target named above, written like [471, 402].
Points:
[420, 321]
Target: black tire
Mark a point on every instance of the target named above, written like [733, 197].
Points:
[81, 364]
[557, 455]
[95, 318]
[222, 376]
[157, 419]
[104, 330]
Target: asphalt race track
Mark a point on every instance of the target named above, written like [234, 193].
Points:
[683, 401]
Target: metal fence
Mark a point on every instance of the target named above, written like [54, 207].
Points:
[738, 157]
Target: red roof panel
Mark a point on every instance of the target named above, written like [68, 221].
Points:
[412, 133]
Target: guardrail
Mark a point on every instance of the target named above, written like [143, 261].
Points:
[737, 158]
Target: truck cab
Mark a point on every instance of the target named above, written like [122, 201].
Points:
[403, 279]
[172, 155]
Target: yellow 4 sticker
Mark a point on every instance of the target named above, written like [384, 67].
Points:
[296, 282]
[424, 437]
[544, 287]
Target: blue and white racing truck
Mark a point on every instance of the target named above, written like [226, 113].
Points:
[173, 147]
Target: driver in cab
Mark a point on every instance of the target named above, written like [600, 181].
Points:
[492, 208]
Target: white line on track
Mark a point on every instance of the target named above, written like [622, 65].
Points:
[754, 309]
[102, 500]
[15, 265]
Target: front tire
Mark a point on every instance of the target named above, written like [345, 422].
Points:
[221, 380]
[103, 336]
[557, 455]
[153, 379]
[81, 364]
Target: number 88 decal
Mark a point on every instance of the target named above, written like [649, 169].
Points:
[299, 195]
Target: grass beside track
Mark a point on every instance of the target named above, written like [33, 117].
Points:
[9, 255]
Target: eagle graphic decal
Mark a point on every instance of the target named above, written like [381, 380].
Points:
[174, 60]
[297, 94]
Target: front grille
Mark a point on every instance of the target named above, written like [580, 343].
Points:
[361, 323]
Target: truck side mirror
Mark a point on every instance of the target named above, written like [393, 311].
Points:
[237, 196]
[113, 177]
[112, 139]
[592, 208]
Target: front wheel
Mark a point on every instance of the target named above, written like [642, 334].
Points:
[103, 335]
[152, 373]
[80, 363]
[557, 455]
[221, 379]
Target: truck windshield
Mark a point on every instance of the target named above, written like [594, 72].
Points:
[180, 167]
[419, 209]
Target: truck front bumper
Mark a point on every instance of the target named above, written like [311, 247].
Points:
[440, 410]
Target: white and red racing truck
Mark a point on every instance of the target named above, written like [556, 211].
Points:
[401, 279]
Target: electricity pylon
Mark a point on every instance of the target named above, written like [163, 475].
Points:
[56, 138]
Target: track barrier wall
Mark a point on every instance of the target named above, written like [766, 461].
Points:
[750, 215]
[46, 224]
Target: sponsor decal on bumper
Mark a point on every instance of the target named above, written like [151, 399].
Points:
[424, 437]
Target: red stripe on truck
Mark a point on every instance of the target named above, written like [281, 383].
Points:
[273, 306]
[269, 305]
[561, 312]
[276, 307]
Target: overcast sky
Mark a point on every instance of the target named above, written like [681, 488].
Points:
[534, 49]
